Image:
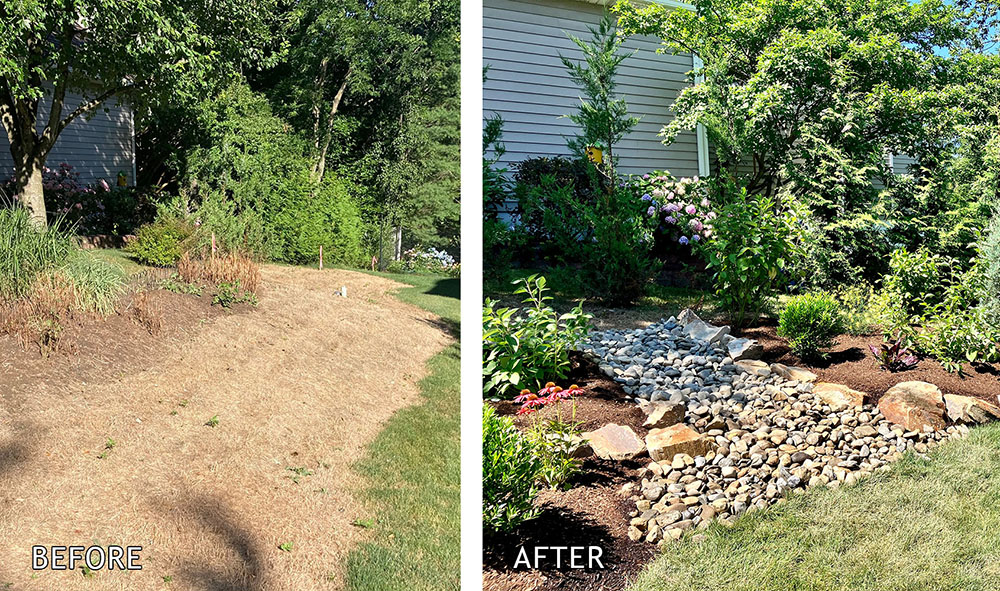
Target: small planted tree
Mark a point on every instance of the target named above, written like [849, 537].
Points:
[603, 116]
[140, 51]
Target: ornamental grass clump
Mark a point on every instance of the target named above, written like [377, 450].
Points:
[810, 323]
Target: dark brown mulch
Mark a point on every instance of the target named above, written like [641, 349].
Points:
[592, 513]
[852, 364]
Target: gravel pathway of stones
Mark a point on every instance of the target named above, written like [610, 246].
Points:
[730, 434]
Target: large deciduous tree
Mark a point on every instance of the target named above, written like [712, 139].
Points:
[807, 95]
[140, 51]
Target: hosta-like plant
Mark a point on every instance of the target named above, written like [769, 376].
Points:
[526, 347]
[893, 355]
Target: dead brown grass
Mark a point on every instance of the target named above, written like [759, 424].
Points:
[304, 381]
[220, 268]
[37, 318]
[147, 312]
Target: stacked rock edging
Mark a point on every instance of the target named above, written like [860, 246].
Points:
[731, 435]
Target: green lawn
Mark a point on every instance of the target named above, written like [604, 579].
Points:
[923, 525]
[413, 472]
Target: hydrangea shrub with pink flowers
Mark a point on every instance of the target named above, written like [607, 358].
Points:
[90, 209]
[679, 209]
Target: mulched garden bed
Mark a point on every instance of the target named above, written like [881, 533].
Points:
[852, 364]
[592, 513]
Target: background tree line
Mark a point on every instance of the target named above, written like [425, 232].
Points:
[278, 125]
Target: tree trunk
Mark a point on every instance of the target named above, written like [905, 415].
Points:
[319, 169]
[31, 190]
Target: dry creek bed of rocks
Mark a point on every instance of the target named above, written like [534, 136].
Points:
[730, 434]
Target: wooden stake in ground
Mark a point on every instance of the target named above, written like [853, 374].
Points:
[321, 257]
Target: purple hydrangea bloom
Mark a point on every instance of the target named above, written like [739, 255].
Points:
[645, 176]
[670, 219]
[651, 211]
[696, 238]
[691, 209]
[646, 197]
[696, 225]
[672, 207]
[683, 240]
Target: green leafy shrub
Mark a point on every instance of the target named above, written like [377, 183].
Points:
[753, 245]
[510, 472]
[253, 187]
[916, 278]
[954, 330]
[161, 243]
[525, 347]
[810, 322]
[227, 294]
[25, 251]
[616, 260]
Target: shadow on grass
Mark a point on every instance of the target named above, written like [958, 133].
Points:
[450, 287]
[245, 571]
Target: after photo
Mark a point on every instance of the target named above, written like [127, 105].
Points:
[741, 325]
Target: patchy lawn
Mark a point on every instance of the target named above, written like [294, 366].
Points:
[923, 525]
[412, 469]
[223, 445]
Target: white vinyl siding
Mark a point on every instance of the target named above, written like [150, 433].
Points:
[527, 84]
[98, 147]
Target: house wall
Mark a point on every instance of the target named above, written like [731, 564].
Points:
[529, 87]
[98, 147]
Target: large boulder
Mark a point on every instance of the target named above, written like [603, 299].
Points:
[663, 413]
[703, 331]
[687, 316]
[965, 409]
[615, 442]
[838, 396]
[740, 349]
[915, 406]
[664, 444]
[793, 373]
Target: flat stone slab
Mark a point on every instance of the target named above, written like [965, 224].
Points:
[702, 331]
[664, 444]
[754, 367]
[915, 406]
[615, 442]
[965, 409]
[663, 413]
[740, 349]
[793, 373]
[838, 396]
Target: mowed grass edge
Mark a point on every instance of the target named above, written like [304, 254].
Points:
[412, 470]
[923, 525]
